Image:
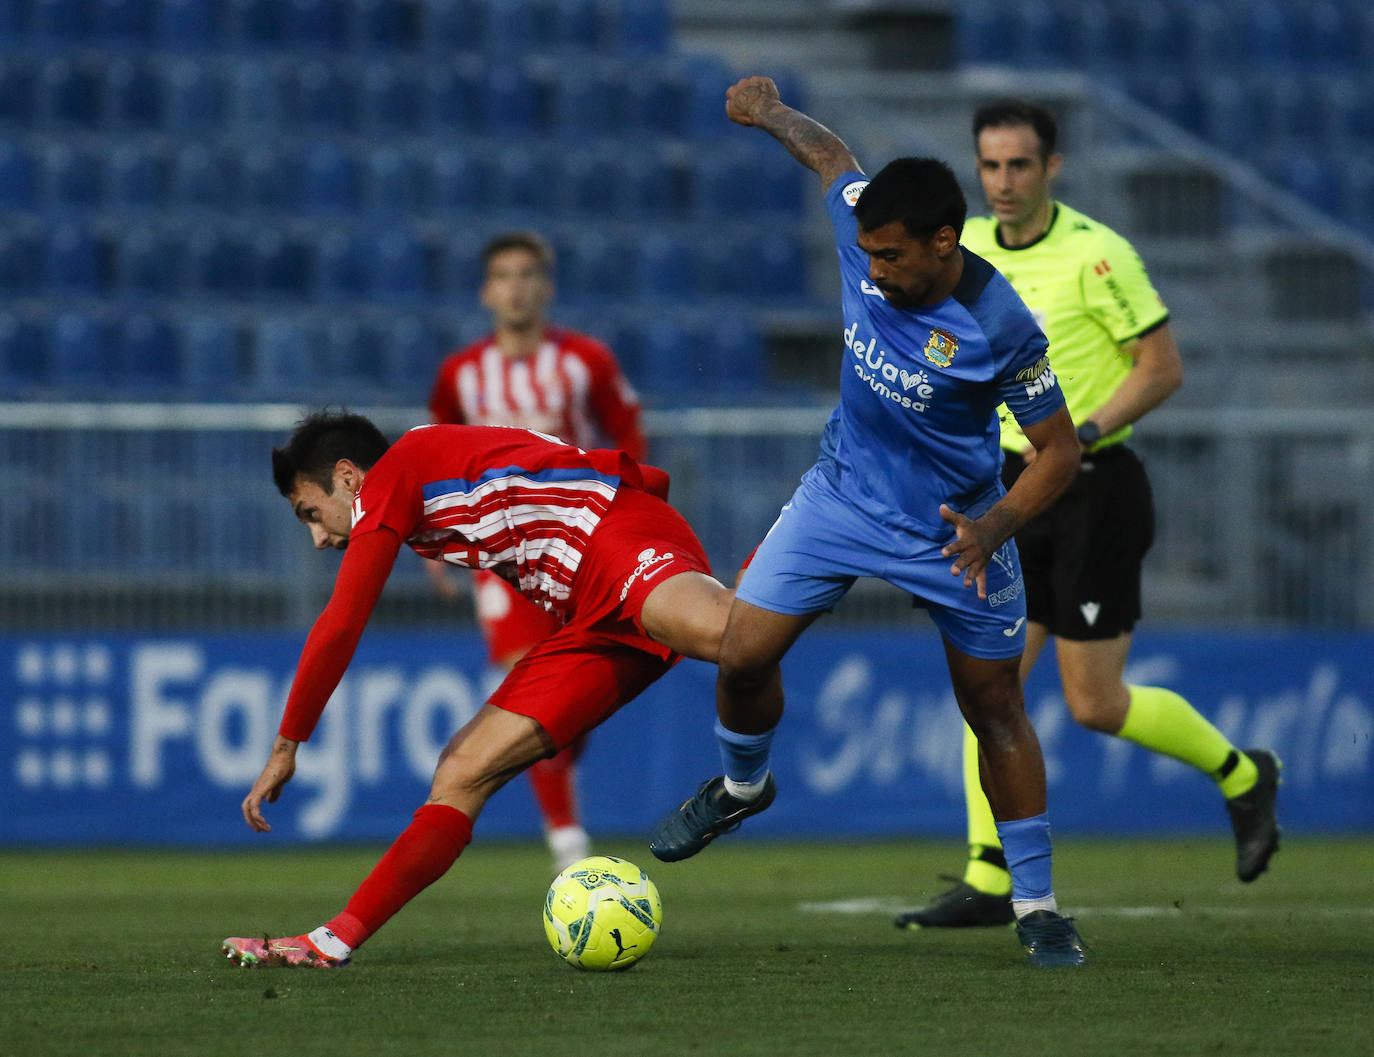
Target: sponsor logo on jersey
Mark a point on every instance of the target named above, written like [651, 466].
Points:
[909, 389]
[941, 348]
[648, 560]
[851, 192]
[868, 288]
[1038, 379]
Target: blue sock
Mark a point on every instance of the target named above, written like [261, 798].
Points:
[745, 756]
[1026, 844]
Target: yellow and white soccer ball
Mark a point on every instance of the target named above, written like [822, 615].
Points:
[602, 913]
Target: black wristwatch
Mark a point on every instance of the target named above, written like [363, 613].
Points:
[1089, 434]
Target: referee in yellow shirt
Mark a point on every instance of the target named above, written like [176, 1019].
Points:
[1116, 360]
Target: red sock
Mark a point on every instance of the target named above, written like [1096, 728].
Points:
[420, 856]
[555, 787]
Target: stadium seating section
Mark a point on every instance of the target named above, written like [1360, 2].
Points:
[284, 199]
[1283, 84]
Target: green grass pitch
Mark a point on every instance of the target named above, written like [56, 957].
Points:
[768, 949]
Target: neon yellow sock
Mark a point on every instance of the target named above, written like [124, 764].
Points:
[985, 876]
[1163, 722]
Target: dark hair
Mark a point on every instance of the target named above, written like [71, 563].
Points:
[1015, 112]
[530, 241]
[923, 193]
[319, 441]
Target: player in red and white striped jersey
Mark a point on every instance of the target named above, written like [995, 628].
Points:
[584, 533]
[557, 381]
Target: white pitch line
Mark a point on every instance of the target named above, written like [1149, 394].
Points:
[891, 906]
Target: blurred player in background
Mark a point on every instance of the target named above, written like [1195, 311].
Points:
[1116, 360]
[586, 535]
[527, 373]
[905, 489]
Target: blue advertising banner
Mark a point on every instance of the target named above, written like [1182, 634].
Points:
[155, 739]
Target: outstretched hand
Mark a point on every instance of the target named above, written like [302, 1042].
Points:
[972, 549]
[281, 765]
[745, 100]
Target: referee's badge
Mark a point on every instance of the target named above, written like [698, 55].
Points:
[941, 348]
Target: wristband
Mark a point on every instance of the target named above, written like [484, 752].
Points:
[1089, 434]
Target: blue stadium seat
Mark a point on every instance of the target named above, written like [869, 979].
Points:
[18, 90]
[316, 23]
[239, 533]
[395, 182]
[23, 351]
[590, 182]
[1041, 35]
[341, 267]
[655, 98]
[776, 267]
[587, 101]
[188, 25]
[510, 104]
[594, 266]
[513, 27]
[1331, 37]
[148, 260]
[980, 33]
[1159, 34]
[458, 181]
[1214, 42]
[738, 355]
[330, 181]
[524, 179]
[1104, 38]
[1271, 34]
[726, 184]
[724, 265]
[460, 271]
[270, 178]
[73, 177]
[283, 265]
[71, 260]
[385, 25]
[124, 21]
[397, 270]
[450, 26]
[212, 356]
[1317, 181]
[662, 267]
[147, 354]
[1345, 117]
[219, 262]
[17, 176]
[253, 97]
[636, 27]
[203, 176]
[656, 183]
[14, 20]
[455, 97]
[194, 97]
[410, 355]
[79, 351]
[289, 357]
[577, 24]
[323, 97]
[21, 258]
[61, 21]
[72, 92]
[1177, 97]
[1235, 116]
[707, 79]
[256, 22]
[138, 176]
[353, 356]
[392, 100]
[1296, 108]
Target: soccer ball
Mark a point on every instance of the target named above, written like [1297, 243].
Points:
[602, 913]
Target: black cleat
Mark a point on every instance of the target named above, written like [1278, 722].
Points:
[710, 812]
[1050, 940]
[963, 906]
[1253, 819]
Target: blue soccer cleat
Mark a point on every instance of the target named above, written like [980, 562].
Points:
[704, 817]
[1050, 940]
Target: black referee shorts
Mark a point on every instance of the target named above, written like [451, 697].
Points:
[1081, 558]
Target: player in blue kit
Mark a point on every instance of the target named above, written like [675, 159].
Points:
[907, 488]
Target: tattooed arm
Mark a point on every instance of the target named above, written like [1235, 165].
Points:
[754, 102]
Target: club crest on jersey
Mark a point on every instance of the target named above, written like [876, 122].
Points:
[941, 348]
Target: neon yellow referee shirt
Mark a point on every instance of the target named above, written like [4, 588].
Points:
[1087, 288]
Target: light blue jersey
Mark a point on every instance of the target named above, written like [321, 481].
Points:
[916, 426]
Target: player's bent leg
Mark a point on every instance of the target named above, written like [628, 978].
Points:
[749, 704]
[491, 749]
[687, 613]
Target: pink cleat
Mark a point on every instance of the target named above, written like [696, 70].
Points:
[251, 952]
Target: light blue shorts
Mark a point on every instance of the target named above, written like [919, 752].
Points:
[822, 542]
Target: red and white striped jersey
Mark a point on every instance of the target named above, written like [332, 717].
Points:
[490, 497]
[571, 387]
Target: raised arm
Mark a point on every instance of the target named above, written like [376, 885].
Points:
[755, 103]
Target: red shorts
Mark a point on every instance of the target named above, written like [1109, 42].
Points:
[511, 624]
[602, 659]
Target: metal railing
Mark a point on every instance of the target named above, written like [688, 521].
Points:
[164, 515]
